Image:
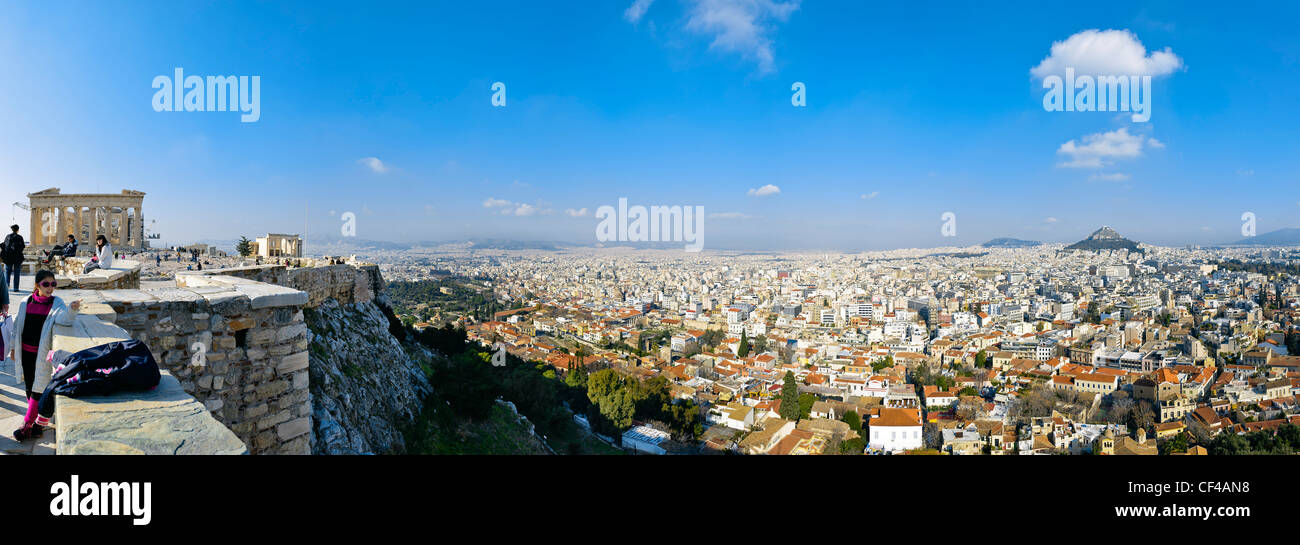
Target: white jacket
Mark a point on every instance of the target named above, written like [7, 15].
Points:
[60, 314]
[105, 256]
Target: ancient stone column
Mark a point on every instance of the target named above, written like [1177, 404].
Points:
[36, 219]
[65, 224]
[94, 225]
[80, 222]
[139, 226]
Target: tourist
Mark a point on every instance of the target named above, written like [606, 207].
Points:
[157, 260]
[12, 255]
[103, 255]
[33, 333]
[65, 250]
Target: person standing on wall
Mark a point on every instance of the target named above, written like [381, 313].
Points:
[12, 256]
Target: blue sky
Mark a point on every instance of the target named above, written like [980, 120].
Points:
[912, 110]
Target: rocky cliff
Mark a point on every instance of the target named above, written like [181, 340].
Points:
[365, 383]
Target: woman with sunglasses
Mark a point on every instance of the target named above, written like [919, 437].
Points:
[33, 332]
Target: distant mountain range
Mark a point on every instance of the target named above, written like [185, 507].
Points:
[1105, 239]
[1006, 242]
[1289, 236]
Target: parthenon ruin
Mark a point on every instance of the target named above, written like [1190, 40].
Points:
[119, 217]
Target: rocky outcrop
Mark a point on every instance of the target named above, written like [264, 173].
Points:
[366, 385]
[1105, 239]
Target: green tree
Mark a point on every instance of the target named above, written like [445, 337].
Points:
[577, 378]
[853, 420]
[805, 405]
[881, 364]
[611, 394]
[1289, 434]
[684, 419]
[981, 360]
[853, 446]
[245, 247]
[789, 397]
[1177, 444]
[651, 396]
[744, 345]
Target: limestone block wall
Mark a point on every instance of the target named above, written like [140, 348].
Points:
[125, 274]
[347, 283]
[236, 345]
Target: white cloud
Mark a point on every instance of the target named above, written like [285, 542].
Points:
[636, 10]
[871, 195]
[1051, 219]
[1246, 172]
[374, 164]
[524, 209]
[1102, 149]
[741, 26]
[1113, 177]
[764, 191]
[1155, 143]
[511, 208]
[1108, 53]
[576, 213]
[730, 216]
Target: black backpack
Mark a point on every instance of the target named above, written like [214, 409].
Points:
[13, 248]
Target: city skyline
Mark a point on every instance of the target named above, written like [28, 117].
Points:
[907, 117]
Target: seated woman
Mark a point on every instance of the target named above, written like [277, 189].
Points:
[103, 255]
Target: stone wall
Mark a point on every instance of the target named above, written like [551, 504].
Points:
[347, 283]
[162, 420]
[238, 346]
[125, 274]
[236, 339]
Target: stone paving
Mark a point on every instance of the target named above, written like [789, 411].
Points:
[13, 403]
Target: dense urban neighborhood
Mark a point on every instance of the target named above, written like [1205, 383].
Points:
[1030, 349]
